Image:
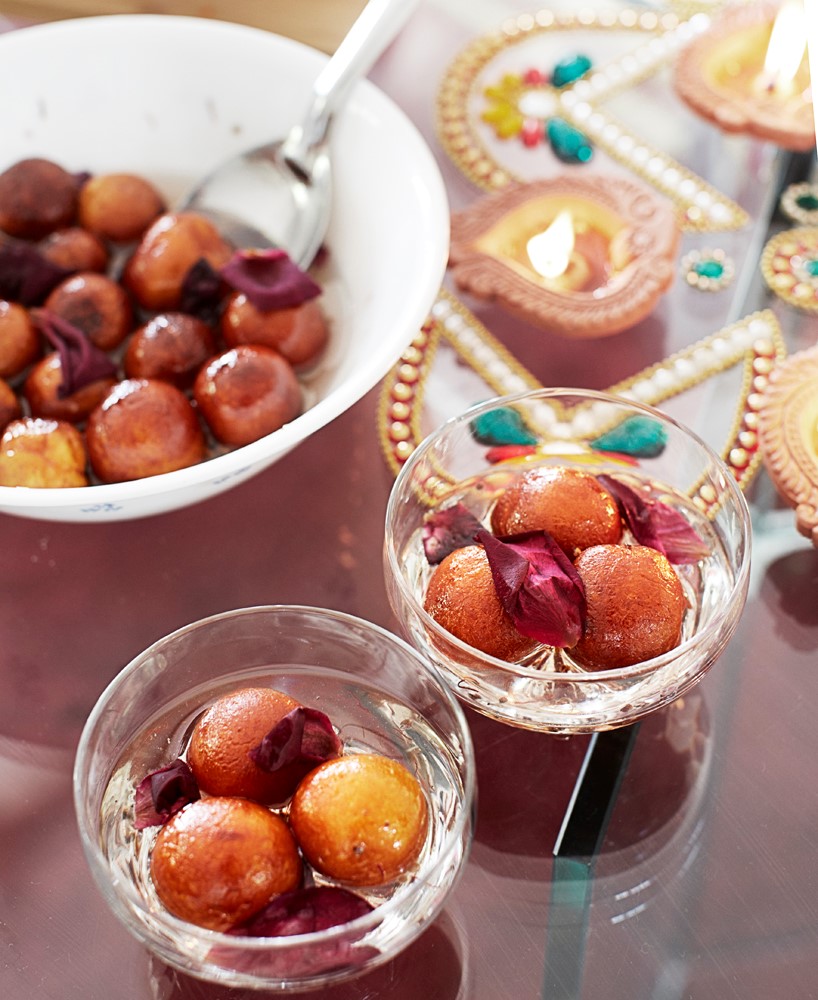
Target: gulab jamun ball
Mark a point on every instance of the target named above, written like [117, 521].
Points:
[118, 207]
[635, 606]
[43, 391]
[172, 346]
[95, 304]
[227, 731]
[143, 427]
[37, 196]
[572, 506]
[19, 340]
[10, 408]
[247, 392]
[172, 244]
[220, 860]
[299, 333]
[75, 249]
[42, 453]
[462, 599]
[361, 818]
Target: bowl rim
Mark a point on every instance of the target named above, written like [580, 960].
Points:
[740, 583]
[133, 903]
[230, 465]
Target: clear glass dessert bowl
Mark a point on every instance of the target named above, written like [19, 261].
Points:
[663, 475]
[382, 699]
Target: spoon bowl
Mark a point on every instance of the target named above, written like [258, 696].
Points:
[280, 194]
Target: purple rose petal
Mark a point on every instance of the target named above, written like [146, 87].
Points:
[26, 276]
[81, 361]
[164, 792]
[269, 279]
[538, 586]
[304, 735]
[305, 911]
[446, 530]
[201, 291]
[657, 524]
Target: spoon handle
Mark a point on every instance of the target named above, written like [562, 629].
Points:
[373, 30]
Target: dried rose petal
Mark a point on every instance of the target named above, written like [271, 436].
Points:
[164, 792]
[26, 276]
[201, 291]
[303, 735]
[305, 911]
[448, 529]
[657, 524]
[269, 279]
[81, 361]
[538, 586]
[504, 452]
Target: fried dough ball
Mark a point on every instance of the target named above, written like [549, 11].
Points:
[75, 249]
[156, 271]
[36, 197]
[95, 304]
[42, 453]
[247, 392]
[222, 737]
[220, 860]
[119, 207]
[42, 392]
[461, 598]
[572, 506]
[299, 333]
[635, 606]
[143, 427]
[9, 404]
[19, 340]
[361, 818]
[172, 346]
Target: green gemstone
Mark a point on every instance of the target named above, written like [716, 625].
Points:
[569, 144]
[809, 202]
[501, 426]
[642, 437]
[811, 267]
[708, 268]
[569, 70]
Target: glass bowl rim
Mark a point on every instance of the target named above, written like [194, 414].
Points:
[582, 678]
[124, 891]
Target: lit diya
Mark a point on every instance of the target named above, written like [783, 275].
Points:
[788, 436]
[750, 74]
[582, 256]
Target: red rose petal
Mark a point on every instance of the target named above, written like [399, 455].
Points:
[657, 524]
[538, 586]
[26, 276]
[81, 361]
[448, 529]
[303, 735]
[269, 279]
[305, 911]
[164, 792]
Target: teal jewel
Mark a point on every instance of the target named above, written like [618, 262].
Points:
[501, 426]
[642, 437]
[811, 267]
[569, 144]
[569, 70]
[809, 202]
[709, 269]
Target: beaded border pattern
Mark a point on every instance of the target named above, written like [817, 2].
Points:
[791, 208]
[704, 282]
[756, 340]
[782, 270]
[702, 207]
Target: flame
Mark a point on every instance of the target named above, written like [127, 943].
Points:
[788, 43]
[550, 250]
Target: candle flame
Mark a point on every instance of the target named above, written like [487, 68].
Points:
[550, 250]
[788, 43]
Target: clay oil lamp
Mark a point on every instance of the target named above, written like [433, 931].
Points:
[581, 256]
[750, 74]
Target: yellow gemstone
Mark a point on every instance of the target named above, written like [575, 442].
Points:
[763, 366]
[748, 439]
[412, 356]
[408, 373]
[399, 431]
[738, 458]
[401, 391]
[751, 421]
[403, 449]
[708, 493]
[782, 282]
[399, 410]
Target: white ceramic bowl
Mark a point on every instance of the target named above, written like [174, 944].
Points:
[170, 98]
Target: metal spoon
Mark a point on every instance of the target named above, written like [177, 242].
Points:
[280, 194]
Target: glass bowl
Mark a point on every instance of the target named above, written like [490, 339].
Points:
[381, 697]
[473, 458]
